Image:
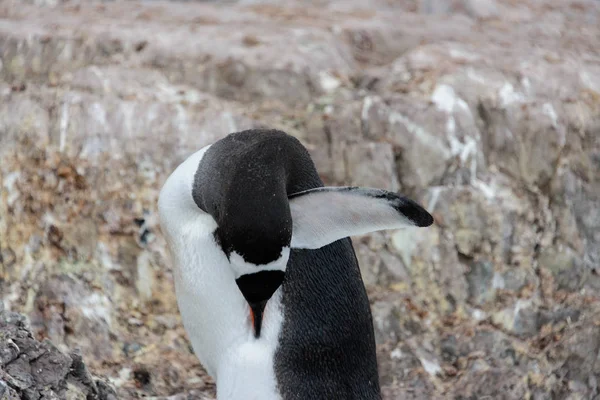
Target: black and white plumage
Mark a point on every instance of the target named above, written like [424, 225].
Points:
[267, 281]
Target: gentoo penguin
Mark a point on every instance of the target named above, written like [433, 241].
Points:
[266, 278]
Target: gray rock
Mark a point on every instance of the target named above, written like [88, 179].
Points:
[521, 318]
[424, 153]
[74, 308]
[436, 276]
[8, 351]
[386, 323]
[482, 8]
[397, 366]
[20, 373]
[369, 263]
[527, 321]
[515, 279]
[578, 354]
[514, 138]
[472, 218]
[372, 165]
[480, 278]
[434, 7]
[51, 367]
[6, 392]
[566, 267]
[393, 269]
[492, 383]
[568, 315]
[40, 370]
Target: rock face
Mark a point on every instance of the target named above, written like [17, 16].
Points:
[30, 369]
[486, 112]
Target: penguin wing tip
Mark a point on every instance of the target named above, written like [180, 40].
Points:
[416, 214]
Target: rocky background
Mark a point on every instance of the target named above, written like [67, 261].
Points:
[34, 370]
[485, 111]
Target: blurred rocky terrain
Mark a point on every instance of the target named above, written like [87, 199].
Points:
[34, 370]
[485, 111]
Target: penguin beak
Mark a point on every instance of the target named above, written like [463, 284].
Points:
[256, 313]
[257, 289]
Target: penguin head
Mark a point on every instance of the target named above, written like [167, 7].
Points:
[266, 197]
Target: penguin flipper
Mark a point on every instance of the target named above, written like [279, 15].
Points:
[323, 215]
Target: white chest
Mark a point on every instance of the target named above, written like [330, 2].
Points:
[217, 320]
